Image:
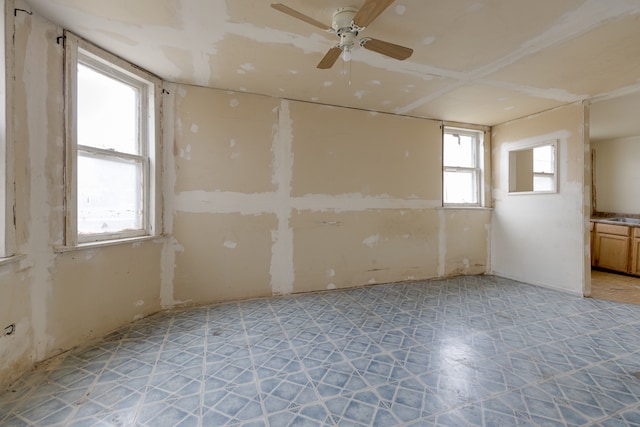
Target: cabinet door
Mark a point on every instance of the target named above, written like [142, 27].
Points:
[612, 252]
[635, 256]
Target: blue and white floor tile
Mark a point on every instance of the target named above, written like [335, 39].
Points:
[470, 351]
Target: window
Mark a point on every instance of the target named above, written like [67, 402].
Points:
[462, 172]
[111, 146]
[533, 168]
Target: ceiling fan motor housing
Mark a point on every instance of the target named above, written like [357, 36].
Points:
[344, 27]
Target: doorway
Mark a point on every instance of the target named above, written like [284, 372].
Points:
[611, 286]
[614, 143]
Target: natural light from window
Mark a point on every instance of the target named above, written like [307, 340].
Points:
[110, 196]
[543, 168]
[461, 171]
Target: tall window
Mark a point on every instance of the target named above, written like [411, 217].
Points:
[111, 131]
[462, 172]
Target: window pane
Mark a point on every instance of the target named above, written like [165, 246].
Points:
[542, 183]
[459, 150]
[543, 159]
[460, 187]
[107, 112]
[109, 195]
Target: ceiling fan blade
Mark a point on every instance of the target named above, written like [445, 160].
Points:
[370, 11]
[301, 16]
[330, 58]
[389, 49]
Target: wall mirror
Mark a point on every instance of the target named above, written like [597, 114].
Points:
[534, 169]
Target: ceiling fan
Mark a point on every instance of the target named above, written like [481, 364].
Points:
[347, 24]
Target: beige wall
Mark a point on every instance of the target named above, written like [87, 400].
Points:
[617, 174]
[541, 238]
[57, 299]
[274, 196]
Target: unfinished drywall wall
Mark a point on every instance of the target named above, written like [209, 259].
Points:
[273, 196]
[617, 174]
[540, 238]
[57, 299]
[263, 196]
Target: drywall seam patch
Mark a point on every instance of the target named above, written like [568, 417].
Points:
[372, 240]
[170, 245]
[487, 228]
[442, 242]
[282, 269]
[198, 201]
[355, 202]
[586, 17]
[40, 257]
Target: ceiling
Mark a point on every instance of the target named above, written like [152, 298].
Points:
[474, 61]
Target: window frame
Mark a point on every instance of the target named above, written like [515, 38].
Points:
[513, 173]
[79, 51]
[477, 170]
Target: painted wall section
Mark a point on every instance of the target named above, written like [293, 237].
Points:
[617, 174]
[57, 299]
[540, 238]
[274, 196]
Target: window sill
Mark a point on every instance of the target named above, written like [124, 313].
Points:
[11, 259]
[104, 243]
[471, 208]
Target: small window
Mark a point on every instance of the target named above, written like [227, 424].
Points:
[462, 172]
[111, 146]
[533, 168]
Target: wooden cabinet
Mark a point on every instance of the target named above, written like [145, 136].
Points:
[612, 244]
[635, 252]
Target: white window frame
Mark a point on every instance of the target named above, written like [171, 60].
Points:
[530, 145]
[77, 51]
[478, 170]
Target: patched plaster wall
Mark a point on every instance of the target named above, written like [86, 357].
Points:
[272, 196]
[57, 299]
[262, 196]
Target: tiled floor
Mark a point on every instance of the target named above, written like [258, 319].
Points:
[615, 287]
[472, 351]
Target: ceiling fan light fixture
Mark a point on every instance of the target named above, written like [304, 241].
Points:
[346, 54]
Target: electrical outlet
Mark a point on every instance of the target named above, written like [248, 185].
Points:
[10, 330]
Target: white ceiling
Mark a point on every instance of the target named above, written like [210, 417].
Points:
[474, 61]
